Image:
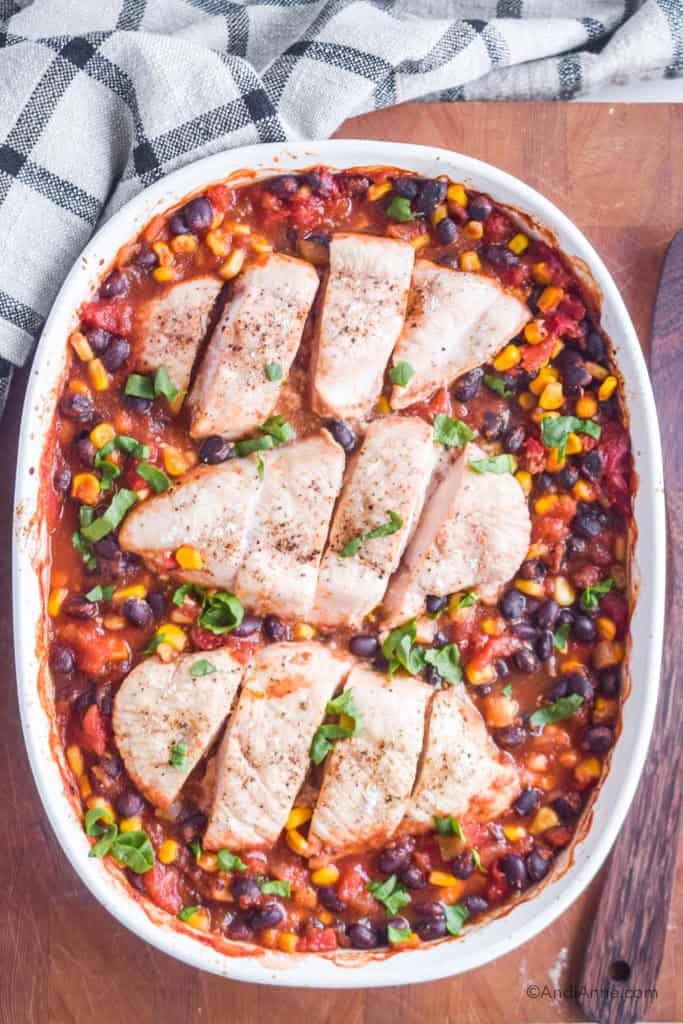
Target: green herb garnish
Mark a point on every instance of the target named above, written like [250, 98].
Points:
[276, 431]
[154, 476]
[507, 690]
[130, 848]
[449, 827]
[274, 372]
[400, 650]
[178, 758]
[222, 612]
[275, 887]
[391, 893]
[591, 595]
[451, 433]
[260, 467]
[349, 724]
[497, 384]
[180, 593]
[561, 636]
[99, 593]
[467, 600]
[477, 861]
[121, 503]
[202, 668]
[164, 386]
[555, 431]
[399, 209]
[446, 661]
[456, 915]
[228, 861]
[139, 386]
[401, 374]
[494, 464]
[187, 912]
[396, 935]
[385, 530]
[557, 712]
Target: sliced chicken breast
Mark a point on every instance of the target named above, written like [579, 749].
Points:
[455, 321]
[290, 524]
[211, 508]
[389, 474]
[474, 532]
[264, 755]
[170, 329]
[261, 324]
[166, 718]
[369, 777]
[360, 321]
[462, 772]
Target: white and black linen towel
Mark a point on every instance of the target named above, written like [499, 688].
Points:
[99, 98]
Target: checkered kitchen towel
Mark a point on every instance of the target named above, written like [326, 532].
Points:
[99, 98]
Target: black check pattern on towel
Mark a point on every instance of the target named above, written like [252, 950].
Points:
[102, 99]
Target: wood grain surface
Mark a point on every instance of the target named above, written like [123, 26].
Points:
[614, 170]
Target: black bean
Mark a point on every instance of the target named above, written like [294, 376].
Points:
[198, 213]
[400, 923]
[413, 877]
[440, 639]
[589, 521]
[576, 376]
[275, 629]
[592, 465]
[116, 355]
[537, 866]
[103, 697]
[77, 407]
[364, 645]
[329, 899]
[129, 803]
[112, 764]
[548, 614]
[479, 208]
[560, 689]
[527, 801]
[429, 929]
[526, 660]
[494, 423]
[406, 186]
[239, 931]
[249, 625]
[609, 682]
[214, 449]
[568, 806]
[363, 935]
[62, 659]
[146, 259]
[524, 630]
[514, 439]
[135, 880]
[598, 739]
[342, 433]
[283, 186]
[468, 386]
[544, 482]
[432, 193]
[435, 604]
[354, 184]
[462, 866]
[245, 891]
[576, 546]
[114, 286]
[108, 547]
[140, 405]
[61, 480]
[98, 339]
[431, 909]
[446, 231]
[595, 347]
[509, 736]
[514, 869]
[157, 603]
[579, 684]
[78, 608]
[532, 569]
[545, 645]
[86, 449]
[500, 256]
[380, 663]
[393, 858]
[502, 668]
[266, 917]
[432, 676]
[513, 604]
[137, 612]
[568, 476]
[476, 905]
[583, 629]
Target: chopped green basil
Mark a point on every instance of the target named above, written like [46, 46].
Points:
[507, 690]
[121, 503]
[134, 850]
[181, 593]
[274, 372]
[456, 915]
[99, 593]
[138, 386]
[451, 433]
[446, 661]
[467, 600]
[196, 848]
[497, 384]
[202, 668]
[477, 861]
[557, 712]
[494, 464]
[187, 912]
[178, 757]
[399, 209]
[275, 887]
[393, 524]
[401, 374]
[556, 429]
[260, 467]
[561, 636]
[396, 935]
[350, 723]
[92, 819]
[228, 861]
[400, 650]
[154, 476]
[449, 827]
[103, 846]
[391, 893]
[591, 595]
[222, 613]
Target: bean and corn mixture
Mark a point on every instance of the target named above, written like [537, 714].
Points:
[544, 666]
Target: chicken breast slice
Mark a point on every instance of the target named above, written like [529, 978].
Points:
[170, 329]
[474, 532]
[264, 755]
[262, 323]
[389, 474]
[290, 525]
[455, 321]
[165, 718]
[361, 318]
[462, 772]
[211, 508]
[369, 777]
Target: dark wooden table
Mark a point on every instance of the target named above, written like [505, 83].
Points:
[616, 171]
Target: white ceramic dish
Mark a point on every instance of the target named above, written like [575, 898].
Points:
[480, 944]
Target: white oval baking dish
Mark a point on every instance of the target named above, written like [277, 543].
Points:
[495, 937]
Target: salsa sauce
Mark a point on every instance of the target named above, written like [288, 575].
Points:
[557, 634]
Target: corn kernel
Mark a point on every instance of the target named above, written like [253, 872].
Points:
[568, 759]
[524, 480]
[103, 804]
[547, 375]
[583, 491]
[200, 921]
[102, 434]
[421, 242]
[74, 757]
[544, 819]
[586, 407]
[546, 504]
[81, 346]
[606, 628]
[123, 593]
[325, 916]
[188, 557]
[84, 787]
[554, 463]
[79, 387]
[287, 941]
[557, 348]
[56, 600]
[328, 875]
[607, 654]
[208, 862]
[440, 213]
[480, 676]
[491, 627]
[535, 332]
[550, 299]
[533, 588]
[378, 190]
[442, 878]
[514, 833]
[596, 370]
[457, 194]
[587, 770]
[233, 264]
[563, 591]
[527, 401]
[508, 358]
[574, 446]
[218, 243]
[572, 665]
[383, 406]
[607, 388]
[86, 488]
[172, 635]
[519, 243]
[474, 229]
[234, 227]
[114, 622]
[163, 274]
[130, 824]
[184, 243]
[296, 842]
[604, 710]
[99, 378]
[168, 851]
[259, 244]
[552, 396]
[269, 938]
[298, 816]
[163, 253]
[542, 273]
[469, 261]
[175, 462]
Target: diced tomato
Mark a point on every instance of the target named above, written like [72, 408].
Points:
[615, 607]
[497, 884]
[439, 403]
[554, 527]
[539, 252]
[94, 648]
[464, 626]
[113, 315]
[572, 308]
[558, 837]
[221, 197]
[205, 640]
[586, 576]
[560, 326]
[353, 881]
[615, 448]
[94, 731]
[534, 455]
[536, 356]
[317, 940]
[497, 227]
[514, 277]
[306, 211]
[161, 885]
[288, 868]
[495, 647]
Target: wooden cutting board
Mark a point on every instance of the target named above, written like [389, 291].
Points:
[62, 958]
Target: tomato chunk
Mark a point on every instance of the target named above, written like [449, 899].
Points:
[94, 731]
[113, 315]
[317, 940]
[161, 885]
